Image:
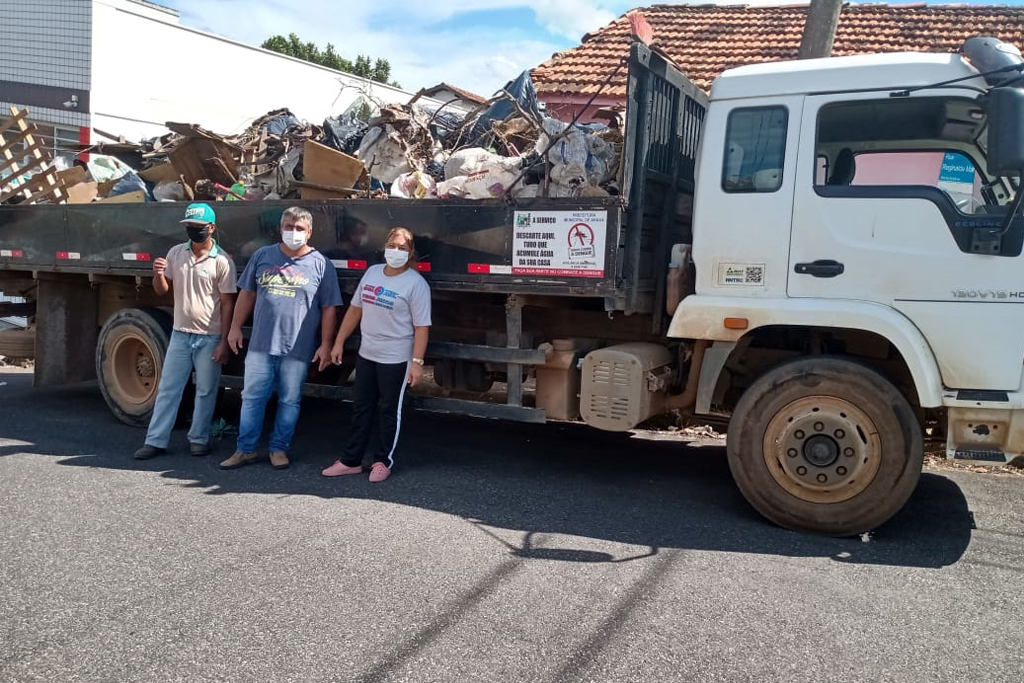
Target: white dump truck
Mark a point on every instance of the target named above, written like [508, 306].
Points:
[826, 253]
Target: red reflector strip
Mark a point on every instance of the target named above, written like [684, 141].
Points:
[488, 269]
[423, 267]
[68, 256]
[345, 264]
[11, 253]
[135, 257]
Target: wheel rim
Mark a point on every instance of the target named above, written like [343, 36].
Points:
[822, 449]
[135, 369]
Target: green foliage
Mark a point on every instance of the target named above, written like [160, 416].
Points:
[376, 70]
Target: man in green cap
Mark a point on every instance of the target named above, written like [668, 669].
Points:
[203, 281]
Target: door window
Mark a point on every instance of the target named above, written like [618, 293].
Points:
[755, 148]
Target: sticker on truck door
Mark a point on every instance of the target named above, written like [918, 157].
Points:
[559, 243]
[747, 274]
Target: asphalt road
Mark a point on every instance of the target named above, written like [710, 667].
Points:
[496, 552]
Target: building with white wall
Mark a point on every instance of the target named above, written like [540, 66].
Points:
[128, 66]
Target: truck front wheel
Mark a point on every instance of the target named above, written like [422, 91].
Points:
[825, 445]
[129, 357]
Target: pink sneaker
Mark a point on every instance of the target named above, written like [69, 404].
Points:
[379, 472]
[339, 468]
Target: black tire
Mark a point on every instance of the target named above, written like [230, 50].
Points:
[825, 445]
[129, 358]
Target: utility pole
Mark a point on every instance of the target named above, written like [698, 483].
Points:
[820, 28]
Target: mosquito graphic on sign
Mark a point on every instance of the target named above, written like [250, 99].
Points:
[581, 241]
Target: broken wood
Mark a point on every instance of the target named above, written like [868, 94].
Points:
[43, 184]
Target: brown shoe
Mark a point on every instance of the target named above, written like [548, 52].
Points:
[237, 460]
[279, 460]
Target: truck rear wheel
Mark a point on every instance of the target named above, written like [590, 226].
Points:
[825, 445]
[129, 357]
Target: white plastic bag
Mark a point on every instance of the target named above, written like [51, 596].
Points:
[415, 185]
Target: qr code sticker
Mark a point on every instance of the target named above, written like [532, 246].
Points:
[755, 275]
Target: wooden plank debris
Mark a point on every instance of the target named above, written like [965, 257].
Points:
[18, 142]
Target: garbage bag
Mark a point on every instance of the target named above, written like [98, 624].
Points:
[415, 185]
[344, 133]
[487, 183]
[383, 154]
[279, 125]
[103, 168]
[169, 191]
[525, 96]
[578, 156]
[129, 182]
[473, 159]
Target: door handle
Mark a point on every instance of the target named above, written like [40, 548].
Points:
[821, 268]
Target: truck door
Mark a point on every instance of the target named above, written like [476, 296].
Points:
[890, 206]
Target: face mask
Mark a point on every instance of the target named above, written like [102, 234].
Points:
[396, 258]
[293, 239]
[198, 233]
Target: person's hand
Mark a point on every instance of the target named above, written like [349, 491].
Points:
[235, 340]
[322, 357]
[159, 266]
[337, 353]
[415, 373]
[220, 354]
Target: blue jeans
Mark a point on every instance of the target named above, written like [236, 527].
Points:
[263, 375]
[185, 352]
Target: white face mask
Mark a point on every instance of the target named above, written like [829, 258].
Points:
[396, 258]
[293, 239]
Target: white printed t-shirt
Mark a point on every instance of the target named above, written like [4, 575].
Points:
[392, 306]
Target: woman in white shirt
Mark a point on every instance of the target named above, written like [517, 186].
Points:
[391, 308]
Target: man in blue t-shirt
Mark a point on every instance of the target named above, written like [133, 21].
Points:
[292, 291]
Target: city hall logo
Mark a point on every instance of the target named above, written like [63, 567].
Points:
[525, 220]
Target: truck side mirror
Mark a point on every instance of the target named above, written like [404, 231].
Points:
[1005, 110]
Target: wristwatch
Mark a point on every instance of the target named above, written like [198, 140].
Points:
[417, 361]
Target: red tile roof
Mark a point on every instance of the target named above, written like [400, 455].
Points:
[705, 40]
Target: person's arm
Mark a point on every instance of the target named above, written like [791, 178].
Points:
[243, 309]
[420, 309]
[227, 307]
[161, 283]
[328, 323]
[420, 336]
[348, 325]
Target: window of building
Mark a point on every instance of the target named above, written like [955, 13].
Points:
[65, 144]
[755, 149]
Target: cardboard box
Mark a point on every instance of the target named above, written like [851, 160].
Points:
[328, 168]
[82, 193]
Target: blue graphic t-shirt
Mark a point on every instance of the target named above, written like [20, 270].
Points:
[290, 293]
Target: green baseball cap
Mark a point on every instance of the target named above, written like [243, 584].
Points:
[199, 213]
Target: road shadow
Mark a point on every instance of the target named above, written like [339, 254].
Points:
[531, 480]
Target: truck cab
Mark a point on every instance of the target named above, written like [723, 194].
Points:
[849, 229]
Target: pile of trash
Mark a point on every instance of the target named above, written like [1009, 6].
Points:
[506, 148]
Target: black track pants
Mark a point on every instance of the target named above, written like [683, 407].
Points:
[380, 388]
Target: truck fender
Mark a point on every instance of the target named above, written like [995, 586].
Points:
[703, 317]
